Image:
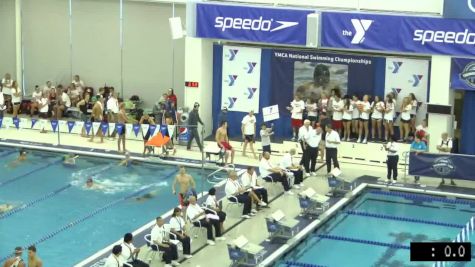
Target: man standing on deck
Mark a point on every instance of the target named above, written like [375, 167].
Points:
[193, 120]
[187, 186]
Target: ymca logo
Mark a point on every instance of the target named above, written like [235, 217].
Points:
[232, 101]
[232, 79]
[251, 91]
[396, 66]
[443, 166]
[251, 66]
[232, 54]
[416, 80]
[468, 74]
[361, 27]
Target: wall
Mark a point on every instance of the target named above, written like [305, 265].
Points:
[7, 33]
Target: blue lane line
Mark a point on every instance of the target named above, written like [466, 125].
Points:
[11, 180]
[402, 219]
[6, 153]
[363, 241]
[422, 198]
[93, 213]
[33, 202]
[301, 264]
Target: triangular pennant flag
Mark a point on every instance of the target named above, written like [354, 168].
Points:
[70, 125]
[164, 130]
[104, 127]
[88, 126]
[129, 130]
[171, 130]
[136, 128]
[54, 125]
[16, 122]
[152, 129]
[96, 127]
[112, 126]
[33, 122]
[144, 128]
[119, 127]
[1, 121]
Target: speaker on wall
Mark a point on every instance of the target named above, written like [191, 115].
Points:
[313, 29]
[176, 28]
[439, 109]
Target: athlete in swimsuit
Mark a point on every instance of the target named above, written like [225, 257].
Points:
[187, 186]
[33, 259]
[16, 261]
[223, 142]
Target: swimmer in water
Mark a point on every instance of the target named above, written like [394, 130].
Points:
[125, 162]
[21, 158]
[5, 208]
[90, 184]
[70, 160]
[147, 196]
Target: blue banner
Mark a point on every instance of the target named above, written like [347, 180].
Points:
[151, 129]
[70, 126]
[88, 126]
[104, 127]
[136, 128]
[16, 122]
[120, 128]
[421, 35]
[54, 125]
[164, 130]
[462, 74]
[33, 122]
[1, 121]
[455, 166]
[252, 24]
[459, 9]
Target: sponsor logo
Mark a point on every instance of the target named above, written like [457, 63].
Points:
[443, 166]
[246, 24]
[471, 6]
[396, 66]
[251, 91]
[416, 80]
[468, 74]
[447, 37]
[361, 27]
[251, 66]
[232, 101]
[231, 79]
[232, 54]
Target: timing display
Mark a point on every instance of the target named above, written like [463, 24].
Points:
[440, 251]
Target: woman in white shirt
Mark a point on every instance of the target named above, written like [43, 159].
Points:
[7, 83]
[406, 108]
[390, 105]
[212, 203]
[35, 100]
[16, 98]
[355, 117]
[337, 108]
[63, 104]
[43, 106]
[415, 106]
[177, 225]
[347, 114]
[323, 103]
[296, 109]
[2, 104]
[312, 114]
[364, 108]
[378, 109]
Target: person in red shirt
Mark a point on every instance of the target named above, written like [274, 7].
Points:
[172, 97]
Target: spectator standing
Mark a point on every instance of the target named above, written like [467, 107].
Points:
[445, 147]
[355, 117]
[248, 130]
[16, 98]
[422, 130]
[265, 138]
[392, 160]
[113, 110]
[365, 109]
[406, 109]
[172, 98]
[337, 107]
[312, 111]
[347, 114]
[415, 107]
[296, 109]
[7, 84]
[418, 146]
[324, 121]
[377, 107]
[193, 120]
[390, 105]
[332, 140]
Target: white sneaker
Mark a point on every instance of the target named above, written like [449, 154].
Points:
[307, 175]
[167, 265]
[221, 238]
[393, 182]
[187, 256]
[210, 242]
[359, 140]
[246, 216]
[289, 192]
[296, 186]
[175, 263]
[365, 141]
[262, 203]
[253, 211]
[313, 174]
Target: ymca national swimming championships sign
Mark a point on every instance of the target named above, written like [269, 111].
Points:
[421, 35]
[462, 74]
[459, 9]
[252, 24]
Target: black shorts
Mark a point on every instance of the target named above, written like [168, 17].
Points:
[345, 120]
[43, 115]
[413, 116]
[266, 149]
[16, 103]
[249, 138]
[405, 121]
[363, 120]
[312, 118]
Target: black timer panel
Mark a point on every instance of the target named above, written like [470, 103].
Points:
[438, 251]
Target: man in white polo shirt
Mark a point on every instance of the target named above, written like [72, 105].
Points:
[160, 241]
[445, 147]
[303, 131]
[271, 173]
[288, 164]
[313, 138]
[332, 140]
[248, 129]
[199, 218]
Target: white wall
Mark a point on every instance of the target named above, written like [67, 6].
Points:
[7, 38]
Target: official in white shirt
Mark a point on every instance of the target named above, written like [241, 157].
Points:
[233, 188]
[248, 129]
[288, 164]
[212, 204]
[177, 226]
[313, 138]
[332, 140]
[130, 253]
[199, 218]
[271, 173]
[249, 180]
[2, 104]
[160, 241]
[392, 159]
[114, 259]
[445, 147]
[303, 131]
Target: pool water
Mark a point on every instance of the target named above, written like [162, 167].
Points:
[341, 241]
[68, 222]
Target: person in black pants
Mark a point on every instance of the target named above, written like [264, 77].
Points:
[159, 241]
[177, 225]
[288, 164]
[200, 219]
[235, 191]
[392, 161]
[193, 120]
[332, 140]
[273, 174]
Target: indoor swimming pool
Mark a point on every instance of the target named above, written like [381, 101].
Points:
[377, 227]
[68, 222]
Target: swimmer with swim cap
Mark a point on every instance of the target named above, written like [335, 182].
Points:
[125, 162]
[5, 208]
[90, 184]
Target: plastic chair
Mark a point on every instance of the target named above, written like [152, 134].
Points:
[153, 249]
[232, 201]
